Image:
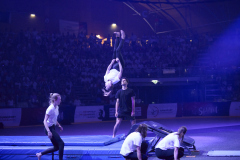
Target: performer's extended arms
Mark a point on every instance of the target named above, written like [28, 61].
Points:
[110, 66]
[120, 68]
[106, 93]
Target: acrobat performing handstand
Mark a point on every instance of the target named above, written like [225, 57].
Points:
[115, 69]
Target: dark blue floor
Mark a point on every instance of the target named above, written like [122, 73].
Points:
[209, 133]
[81, 140]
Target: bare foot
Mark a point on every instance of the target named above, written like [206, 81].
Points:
[39, 155]
[117, 34]
[122, 34]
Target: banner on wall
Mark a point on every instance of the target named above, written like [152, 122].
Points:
[205, 109]
[234, 109]
[10, 116]
[169, 71]
[89, 114]
[68, 27]
[167, 110]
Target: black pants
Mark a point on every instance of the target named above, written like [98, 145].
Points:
[168, 154]
[133, 155]
[57, 142]
[117, 53]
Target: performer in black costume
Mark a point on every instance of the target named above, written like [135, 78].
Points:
[125, 105]
[115, 69]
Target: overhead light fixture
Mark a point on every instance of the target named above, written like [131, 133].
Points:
[114, 25]
[32, 15]
[154, 81]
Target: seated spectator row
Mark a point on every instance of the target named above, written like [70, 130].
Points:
[34, 63]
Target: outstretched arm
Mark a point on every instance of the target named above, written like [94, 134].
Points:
[110, 66]
[120, 68]
[105, 93]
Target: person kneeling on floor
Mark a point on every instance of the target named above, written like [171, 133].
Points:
[134, 146]
[169, 147]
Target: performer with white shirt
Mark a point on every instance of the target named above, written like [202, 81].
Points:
[50, 122]
[134, 147]
[115, 69]
[169, 147]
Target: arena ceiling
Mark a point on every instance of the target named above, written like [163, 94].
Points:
[186, 16]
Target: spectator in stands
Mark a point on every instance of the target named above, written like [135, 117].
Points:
[77, 101]
[10, 102]
[133, 39]
[39, 56]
